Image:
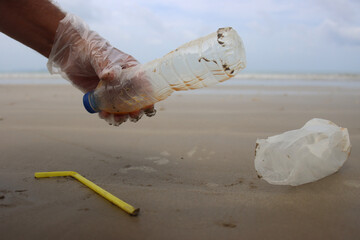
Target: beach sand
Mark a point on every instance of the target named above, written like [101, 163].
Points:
[190, 169]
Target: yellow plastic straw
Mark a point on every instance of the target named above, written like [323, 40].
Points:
[118, 202]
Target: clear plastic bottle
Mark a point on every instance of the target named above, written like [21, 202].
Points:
[196, 64]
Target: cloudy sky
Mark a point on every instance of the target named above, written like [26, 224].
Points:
[311, 36]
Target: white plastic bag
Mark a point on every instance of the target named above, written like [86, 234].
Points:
[310, 153]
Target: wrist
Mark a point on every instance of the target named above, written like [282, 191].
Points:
[76, 44]
[32, 23]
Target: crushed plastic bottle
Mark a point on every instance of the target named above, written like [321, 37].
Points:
[305, 155]
[196, 64]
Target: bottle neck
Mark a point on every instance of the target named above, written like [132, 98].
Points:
[90, 103]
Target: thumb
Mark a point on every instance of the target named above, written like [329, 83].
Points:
[110, 72]
[113, 65]
[109, 64]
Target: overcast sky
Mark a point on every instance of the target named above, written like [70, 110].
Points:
[311, 36]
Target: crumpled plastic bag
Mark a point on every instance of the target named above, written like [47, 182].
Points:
[301, 156]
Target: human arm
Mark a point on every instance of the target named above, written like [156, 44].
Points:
[79, 54]
[33, 23]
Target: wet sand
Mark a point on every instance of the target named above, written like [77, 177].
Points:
[189, 169]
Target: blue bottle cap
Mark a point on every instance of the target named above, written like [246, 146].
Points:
[89, 103]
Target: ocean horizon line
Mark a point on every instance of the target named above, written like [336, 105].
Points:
[44, 74]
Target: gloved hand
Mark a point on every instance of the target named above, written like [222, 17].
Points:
[84, 58]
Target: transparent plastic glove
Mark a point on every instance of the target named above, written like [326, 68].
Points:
[83, 57]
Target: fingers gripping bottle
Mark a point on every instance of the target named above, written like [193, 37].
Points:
[196, 64]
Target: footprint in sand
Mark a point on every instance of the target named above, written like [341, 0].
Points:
[204, 155]
[192, 152]
[145, 169]
[165, 154]
[10, 199]
[162, 160]
[212, 185]
[352, 183]
[228, 225]
[158, 160]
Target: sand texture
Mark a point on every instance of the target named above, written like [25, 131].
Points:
[190, 168]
